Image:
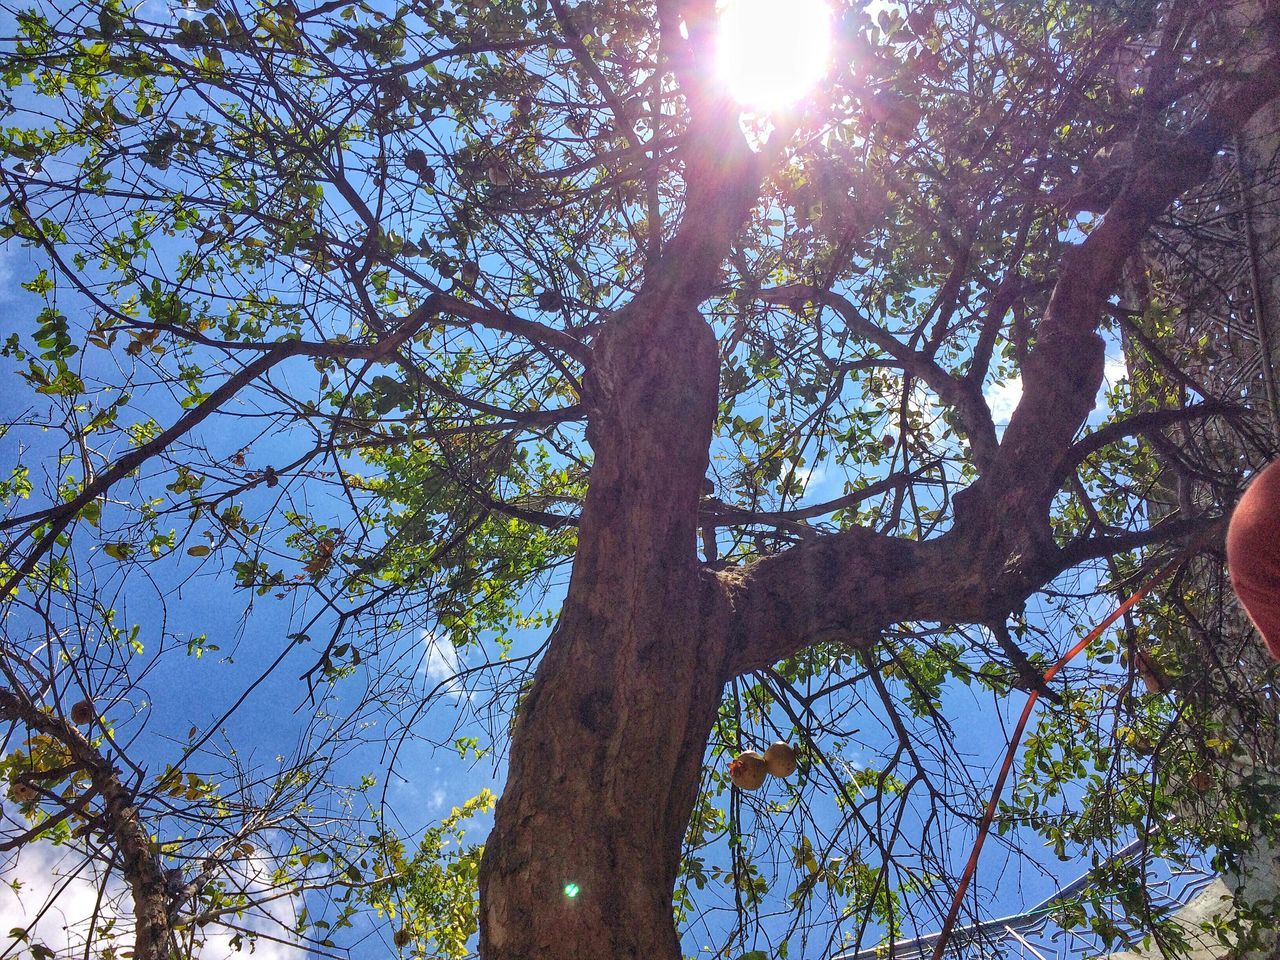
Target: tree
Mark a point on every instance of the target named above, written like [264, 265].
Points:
[392, 310]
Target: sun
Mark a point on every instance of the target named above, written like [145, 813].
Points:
[770, 53]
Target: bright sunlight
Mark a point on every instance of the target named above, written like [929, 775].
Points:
[771, 52]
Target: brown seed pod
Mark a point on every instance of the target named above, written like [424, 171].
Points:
[780, 758]
[920, 20]
[747, 770]
[416, 161]
[896, 115]
[1149, 669]
[499, 175]
[82, 712]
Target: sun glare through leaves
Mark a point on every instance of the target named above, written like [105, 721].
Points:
[770, 53]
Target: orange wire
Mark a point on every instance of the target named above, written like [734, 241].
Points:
[985, 827]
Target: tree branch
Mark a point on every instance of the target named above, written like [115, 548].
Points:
[137, 860]
[56, 520]
[1141, 423]
[850, 585]
[963, 395]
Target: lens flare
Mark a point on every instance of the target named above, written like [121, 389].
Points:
[770, 53]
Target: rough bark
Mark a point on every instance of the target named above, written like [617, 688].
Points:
[606, 755]
[999, 550]
[135, 857]
[607, 749]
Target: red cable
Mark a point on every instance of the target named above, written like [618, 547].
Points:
[985, 827]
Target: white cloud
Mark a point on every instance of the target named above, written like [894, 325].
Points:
[441, 663]
[874, 7]
[1116, 369]
[815, 474]
[54, 900]
[58, 894]
[812, 479]
[1003, 398]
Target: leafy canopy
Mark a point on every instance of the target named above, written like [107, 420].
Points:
[314, 287]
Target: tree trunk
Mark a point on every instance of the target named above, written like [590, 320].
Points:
[607, 751]
[134, 857]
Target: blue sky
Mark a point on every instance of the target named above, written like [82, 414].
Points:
[428, 777]
[277, 719]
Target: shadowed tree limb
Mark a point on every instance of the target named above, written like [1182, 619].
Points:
[999, 551]
[136, 859]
